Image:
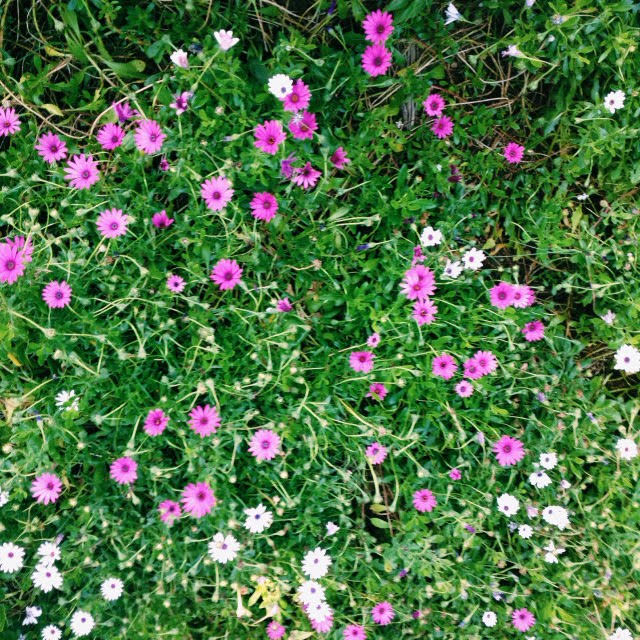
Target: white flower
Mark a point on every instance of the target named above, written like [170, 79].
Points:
[311, 593]
[565, 484]
[51, 632]
[621, 634]
[530, 3]
[223, 548]
[46, 577]
[4, 497]
[614, 101]
[627, 359]
[180, 59]
[67, 400]
[316, 563]
[430, 237]
[539, 479]
[452, 269]
[627, 448]
[489, 619]
[111, 589]
[319, 611]
[473, 259]
[49, 552]
[508, 504]
[525, 531]
[280, 86]
[582, 196]
[452, 14]
[11, 557]
[609, 317]
[332, 528]
[548, 460]
[556, 515]
[552, 553]
[225, 39]
[81, 623]
[31, 615]
[511, 51]
[258, 519]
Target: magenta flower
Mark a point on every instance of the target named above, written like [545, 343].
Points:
[354, 632]
[324, 625]
[161, 220]
[286, 168]
[264, 444]
[124, 470]
[112, 223]
[9, 121]
[513, 152]
[284, 305]
[508, 451]
[434, 105]
[57, 294]
[51, 148]
[306, 176]
[46, 488]
[264, 206]
[501, 295]
[486, 362]
[523, 296]
[11, 263]
[175, 283]
[81, 172]
[110, 136]
[268, 136]
[376, 453]
[226, 274]
[204, 420]
[303, 125]
[424, 500]
[455, 474]
[424, 312]
[382, 613]
[216, 192]
[156, 422]
[361, 361]
[377, 390]
[444, 366]
[442, 127]
[523, 619]
[373, 340]
[378, 26]
[23, 245]
[169, 511]
[298, 98]
[533, 331]
[275, 630]
[418, 283]
[376, 59]
[123, 111]
[181, 102]
[339, 158]
[149, 136]
[464, 389]
[198, 499]
[472, 370]
[164, 164]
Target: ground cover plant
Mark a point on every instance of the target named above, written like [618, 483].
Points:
[319, 319]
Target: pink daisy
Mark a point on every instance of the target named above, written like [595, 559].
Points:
[298, 98]
[472, 370]
[501, 295]
[110, 136]
[23, 245]
[226, 274]
[204, 420]
[51, 148]
[378, 26]
[216, 192]
[434, 104]
[424, 312]
[149, 136]
[354, 632]
[123, 111]
[156, 422]
[382, 613]
[418, 283]
[57, 294]
[284, 305]
[523, 296]
[161, 220]
[455, 474]
[444, 366]
[81, 171]
[198, 499]
[322, 626]
[124, 470]
[46, 488]
[373, 340]
[303, 126]
[264, 444]
[175, 283]
[286, 168]
[268, 136]
[508, 451]
[486, 362]
[533, 331]
[112, 223]
[513, 152]
[376, 59]
[11, 263]
[361, 361]
[306, 176]
[275, 630]
[169, 511]
[424, 500]
[523, 619]
[376, 453]
[264, 206]
[339, 158]
[377, 390]
[181, 102]
[9, 121]
[464, 389]
[442, 127]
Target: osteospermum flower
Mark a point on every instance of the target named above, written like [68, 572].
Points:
[316, 563]
[46, 488]
[264, 444]
[513, 152]
[23, 245]
[286, 166]
[284, 305]
[57, 294]
[169, 511]
[311, 593]
[51, 148]
[225, 39]
[111, 589]
[442, 127]
[424, 312]
[81, 623]
[627, 448]
[226, 274]
[627, 358]
[378, 26]
[377, 390]
[434, 105]
[382, 613]
[614, 100]
[181, 102]
[198, 499]
[376, 59]
[486, 362]
[258, 519]
[81, 171]
[418, 283]
[354, 632]
[464, 389]
[424, 500]
[223, 548]
[175, 283]
[204, 420]
[156, 422]
[149, 136]
[298, 98]
[376, 453]
[110, 136]
[373, 340]
[303, 125]
[268, 136]
[11, 557]
[501, 295]
[9, 121]
[361, 361]
[51, 632]
[275, 630]
[444, 366]
[280, 85]
[473, 259]
[533, 331]
[112, 223]
[123, 111]
[508, 504]
[161, 220]
[339, 158]
[305, 177]
[49, 553]
[523, 619]
[124, 470]
[523, 296]
[508, 451]
[216, 192]
[180, 58]
[264, 206]
[11, 263]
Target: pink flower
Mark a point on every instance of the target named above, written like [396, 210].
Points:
[322, 626]
[110, 136]
[23, 245]
[418, 283]
[175, 283]
[501, 295]
[376, 453]
[361, 361]
[156, 422]
[149, 136]
[81, 172]
[376, 59]
[373, 340]
[424, 312]
[523, 619]
[508, 451]
[303, 126]
[434, 104]
[286, 167]
[382, 613]
[181, 102]
[464, 389]
[354, 632]
[123, 111]
[306, 176]
[377, 390]
[46, 488]
[298, 98]
[164, 164]
[11, 263]
[442, 127]
[533, 331]
[124, 470]
[523, 296]
[204, 420]
[513, 153]
[472, 369]
[216, 192]
[444, 366]
[112, 223]
[378, 26]
[486, 362]
[161, 220]
[275, 630]
[9, 121]
[424, 500]
[455, 474]
[169, 511]
[268, 136]
[51, 148]
[264, 206]
[284, 305]
[264, 444]
[198, 499]
[226, 274]
[339, 158]
[225, 39]
[57, 294]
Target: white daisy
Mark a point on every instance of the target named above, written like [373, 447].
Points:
[627, 448]
[280, 86]
[81, 623]
[319, 611]
[430, 237]
[4, 497]
[552, 553]
[489, 619]
[539, 479]
[11, 557]
[67, 400]
[556, 515]
[46, 577]
[49, 552]
[31, 615]
[565, 484]
[332, 528]
[512, 51]
[525, 531]
[473, 259]
[548, 460]
[452, 269]
[311, 593]
[51, 632]
[627, 359]
[621, 634]
[452, 14]
[316, 563]
[614, 101]
[223, 548]
[258, 519]
[111, 589]
[508, 504]
[582, 196]
[609, 317]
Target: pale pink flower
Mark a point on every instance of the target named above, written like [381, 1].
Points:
[149, 136]
[376, 453]
[216, 192]
[46, 488]
[264, 444]
[523, 619]
[444, 366]
[112, 223]
[169, 511]
[264, 206]
[57, 294]
[175, 283]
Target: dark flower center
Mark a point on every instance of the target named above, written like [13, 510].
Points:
[507, 448]
[50, 486]
[58, 295]
[153, 137]
[265, 444]
[113, 225]
[85, 174]
[271, 140]
[377, 61]
[10, 264]
[228, 275]
[216, 195]
[125, 468]
[201, 496]
[54, 148]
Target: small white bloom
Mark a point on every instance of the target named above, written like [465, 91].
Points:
[51, 632]
[49, 552]
[627, 448]
[548, 460]
[582, 196]
[452, 269]
[319, 611]
[473, 259]
[508, 504]
[67, 400]
[4, 497]
[31, 615]
[316, 563]
[525, 531]
[46, 577]
[11, 557]
[452, 14]
[530, 3]
[332, 528]
[621, 634]
[489, 619]
[111, 589]
[557, 516]
[609, 317]
[627, 359]
[258, 519]
[539, 479]
[223, 548]
[430, 237]
[225, 39]
[311, 593]
[280, 86]
[565, 484]
[511, 51]
[81, 623]
[614, 101]
[552, 553]
[180, 58]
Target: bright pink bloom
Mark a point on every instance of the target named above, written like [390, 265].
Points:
[376, 59]
[161, 220]
[110, 136]
[455, 474]
[444, 366]
[361, 361]
[513, 153]
[533, 331]
[339, 158]
[418, 283]
[284, 305]
[123, 111]
[486, 362]
[523, 619]
[286, 168]
[264, 444]
[11, 263]
[472, 370]
[424, 500]
[424, 312]
[46, 488]
[501, 295]
[322, 626]
[377, 390]
[378, 26]
[149, 136]
[112, 223]
[275, 630]
[204, 420]
[464, 389]
[81, 171]
[382, 613]
[156, 422]
[198, 499]
[303, 125]
[376, 453]
[354, 632]
[508, 451]
[298, 98]
[226, 274]
[264, 206]
[434, 104]
[9, 121]
[268, 136]
[175, 283]
[216, 192]
[124, 470]
[169, 511]
[373, 340]
[306, 176]
[523, 296]
[181, 102]
[23, 245]
[51, 148]
[57, 294]
[442, 127]
[164, 164]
